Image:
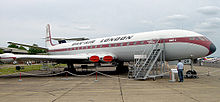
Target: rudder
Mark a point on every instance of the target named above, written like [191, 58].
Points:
[48, 40]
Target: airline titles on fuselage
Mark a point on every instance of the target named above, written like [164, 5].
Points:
[86, 42]
[104, 40]
[116, 38]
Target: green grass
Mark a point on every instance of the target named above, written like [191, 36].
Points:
[11, 70]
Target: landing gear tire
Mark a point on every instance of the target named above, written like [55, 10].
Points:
[122, 69]
[191, 74]
[70, 68]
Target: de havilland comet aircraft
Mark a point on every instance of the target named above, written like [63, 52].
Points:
[179, 44]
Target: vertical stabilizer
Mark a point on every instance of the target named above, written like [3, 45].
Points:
[48, 40]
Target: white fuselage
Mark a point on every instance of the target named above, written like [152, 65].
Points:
[179, 44]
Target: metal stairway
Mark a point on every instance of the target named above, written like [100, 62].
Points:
[144, 65]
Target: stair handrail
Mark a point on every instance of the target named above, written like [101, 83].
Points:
[152, 63]
[154, 47]
[138, 60]
[145, 51]
[142, 67]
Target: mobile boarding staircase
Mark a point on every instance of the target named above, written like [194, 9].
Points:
[150, 64]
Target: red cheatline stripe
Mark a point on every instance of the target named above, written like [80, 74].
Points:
[204, 43]
[8, 58]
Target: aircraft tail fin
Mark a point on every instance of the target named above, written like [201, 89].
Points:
[48, 40]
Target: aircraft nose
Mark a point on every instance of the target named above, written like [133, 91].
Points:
[212, 48]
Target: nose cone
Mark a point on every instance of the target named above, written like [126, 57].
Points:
[212, 48]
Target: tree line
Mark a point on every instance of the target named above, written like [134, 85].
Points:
[31, 50]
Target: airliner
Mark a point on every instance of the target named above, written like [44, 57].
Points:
[179, 44]
[209, 59]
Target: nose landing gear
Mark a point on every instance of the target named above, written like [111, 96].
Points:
[191, 74]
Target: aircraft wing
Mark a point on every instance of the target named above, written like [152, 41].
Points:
[77, 58]
[28, 45]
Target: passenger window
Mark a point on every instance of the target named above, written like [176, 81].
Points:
[191, 38]
[197, 38]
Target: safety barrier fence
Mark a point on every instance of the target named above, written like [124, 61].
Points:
[86, 75]
[64, 72]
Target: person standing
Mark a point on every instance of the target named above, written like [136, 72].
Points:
[180, 68]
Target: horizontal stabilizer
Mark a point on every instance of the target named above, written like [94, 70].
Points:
[28, 45]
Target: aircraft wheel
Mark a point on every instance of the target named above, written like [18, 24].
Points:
[65, 69]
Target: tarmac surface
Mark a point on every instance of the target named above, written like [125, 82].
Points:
[117, 88]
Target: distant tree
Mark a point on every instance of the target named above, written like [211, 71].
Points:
[1, 51]
[33, 50]
[22, 48]
[12, 46]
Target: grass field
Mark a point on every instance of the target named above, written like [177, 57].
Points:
[26, 68]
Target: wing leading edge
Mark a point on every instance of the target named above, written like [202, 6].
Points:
[78, 58]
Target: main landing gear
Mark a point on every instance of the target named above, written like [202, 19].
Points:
[70, 68]
[120, 68]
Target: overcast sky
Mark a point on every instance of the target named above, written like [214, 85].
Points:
[24, 21]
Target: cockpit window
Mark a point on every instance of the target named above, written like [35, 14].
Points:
[201, 38]
[206, 39]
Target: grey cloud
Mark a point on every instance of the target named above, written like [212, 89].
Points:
[146, 22]
[209, 10]
[85, 28]
[209, 25]
[24, 20]
[176, 17]
[175, 21]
